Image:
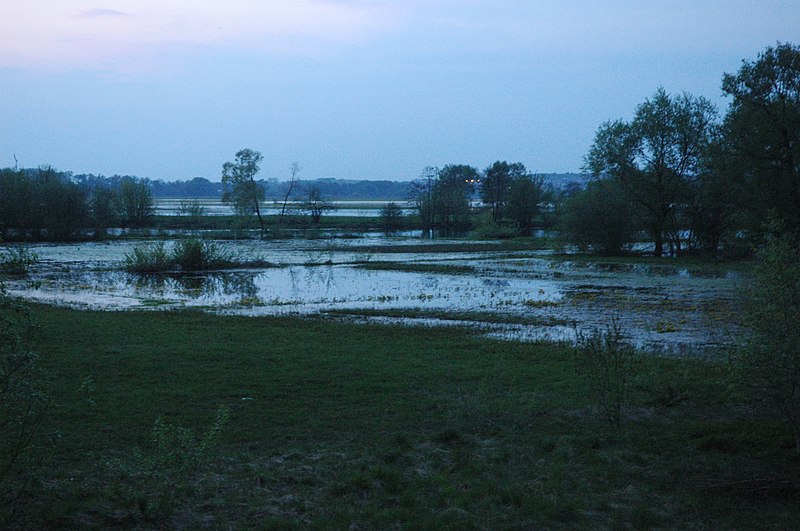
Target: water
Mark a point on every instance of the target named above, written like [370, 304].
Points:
[524, 295]
[215, 207]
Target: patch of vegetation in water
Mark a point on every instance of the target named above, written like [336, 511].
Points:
[190, 254]
[449, 269]
[481, 317]
[333, 423]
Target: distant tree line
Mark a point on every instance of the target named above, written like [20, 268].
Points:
[45, 204]
[690, 181]
[511, 196]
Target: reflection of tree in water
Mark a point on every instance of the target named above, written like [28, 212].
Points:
[196, 286]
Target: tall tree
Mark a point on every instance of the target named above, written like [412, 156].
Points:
[241, 189]
[525, 197]
[655, 156]
[421, 194]
[451, 194]
[135, 201]
[763, 126]
[496, 185]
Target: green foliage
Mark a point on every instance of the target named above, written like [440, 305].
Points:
[191, 254]
[194, 254]
[316, 205]
[192, 209]
[41, 204]
[22, 405]
[148, 258]
[491, 230]
[135, 202]
[241, 189]
[609, 363]
[762, 129]
[599, 219]
[655, 156]
[391, 216]
[526, 195]
[496, 185]
[17, 261]
[153, 480]
[770, 362]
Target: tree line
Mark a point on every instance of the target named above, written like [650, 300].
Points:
[690, 180]
[45, 204]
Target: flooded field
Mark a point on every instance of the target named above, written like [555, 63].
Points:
[215, 207]
[525, 295]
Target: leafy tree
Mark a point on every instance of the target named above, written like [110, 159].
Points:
[101, 208]
[655, 156]
[421, 194]
[770, 363]
[763, 127]
[497, 183]
[316, 205]
[451, 194]
[600, 218]
[241, 188]
[391, 216]
[135, 201]
[524, 200]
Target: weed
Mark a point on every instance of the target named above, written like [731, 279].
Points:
[17, 261]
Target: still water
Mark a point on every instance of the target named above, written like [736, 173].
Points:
[524, 295]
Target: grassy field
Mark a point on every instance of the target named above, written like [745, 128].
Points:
[336, 425]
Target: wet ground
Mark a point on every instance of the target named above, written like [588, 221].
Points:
[526, 295]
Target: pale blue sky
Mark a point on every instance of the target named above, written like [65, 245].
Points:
[355, 89]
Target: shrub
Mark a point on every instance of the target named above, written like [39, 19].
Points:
[608, 361]
[769, 363]
[17, 261]
[148, 258]
[151, 480]
[22, 405]
[197, 255]
[495, 230]
[599, 219]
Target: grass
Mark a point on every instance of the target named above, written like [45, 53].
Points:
[336, 425]
[699, 264]
[481, 317]
[190, 254]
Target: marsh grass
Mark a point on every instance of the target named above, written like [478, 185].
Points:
[17, 261]
[190, 254]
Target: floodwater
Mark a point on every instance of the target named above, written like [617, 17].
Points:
[215, 207]
[523, 295]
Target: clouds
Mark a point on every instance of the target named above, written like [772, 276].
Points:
[65, 34]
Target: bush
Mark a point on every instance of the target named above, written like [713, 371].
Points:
[769, 363]
[187, 255]
[22, 405]
[17, 261]
[599, 219]
[496, 230]
[198, 255]
[148, 258]
[151, 481]
[608, 361]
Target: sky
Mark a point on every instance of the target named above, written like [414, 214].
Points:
[352, 89]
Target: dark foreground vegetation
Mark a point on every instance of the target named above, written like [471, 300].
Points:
[269, 423]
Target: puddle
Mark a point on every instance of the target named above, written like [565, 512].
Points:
[658, 306]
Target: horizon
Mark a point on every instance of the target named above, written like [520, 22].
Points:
[351, 89]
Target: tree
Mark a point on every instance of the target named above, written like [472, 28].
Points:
[655, 156]
[135, 201]
[770, 362]
[496, 185]
[295, 169]
[763, 127]
[241, 189]
[451, 193]
[316, 205]
[391, 216]
[525, 196]
[600, 218]
[421, 194]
